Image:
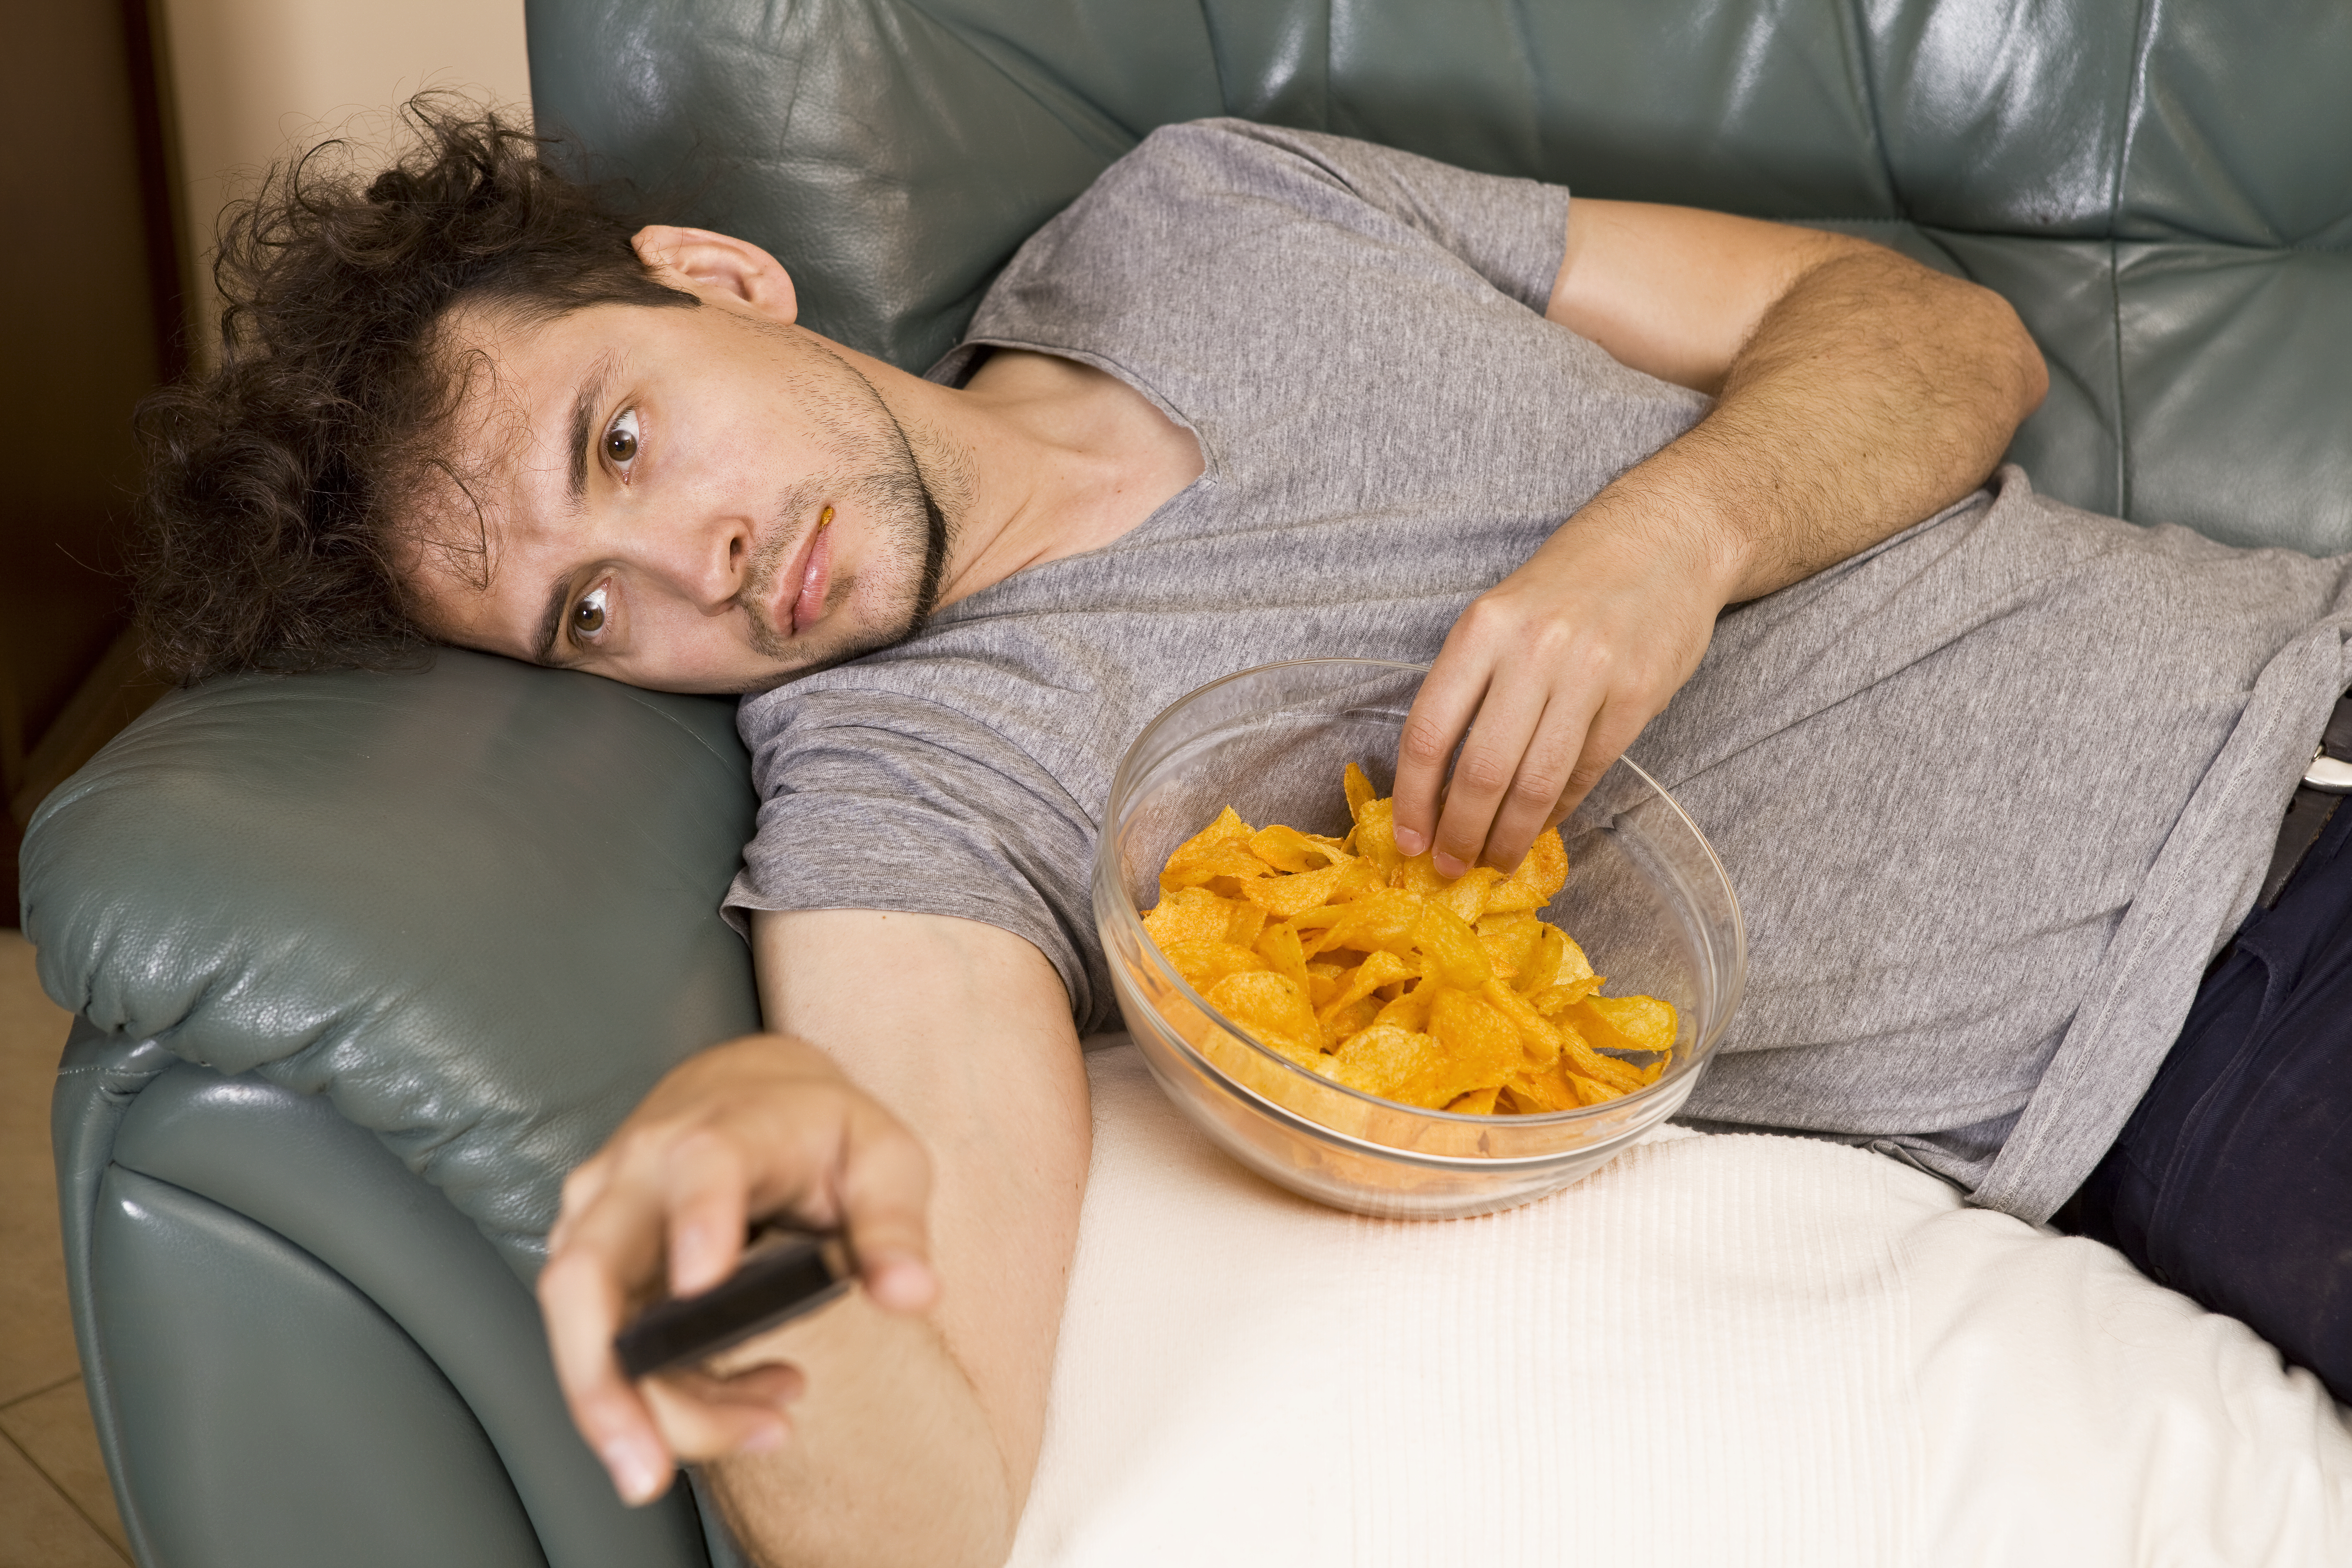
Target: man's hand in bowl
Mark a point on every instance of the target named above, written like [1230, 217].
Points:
[1544, 681]
[1857, 393]
[765, 1125]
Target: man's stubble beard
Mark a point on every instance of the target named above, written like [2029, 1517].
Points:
[911, 525]
[879, 467]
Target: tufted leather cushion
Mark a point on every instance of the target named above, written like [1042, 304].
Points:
[477, 907]
[2164, 190]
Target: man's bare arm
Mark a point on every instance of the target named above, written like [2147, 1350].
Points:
[913, 1436]
[1857, 393]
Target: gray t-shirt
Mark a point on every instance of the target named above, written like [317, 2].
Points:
[1990, 794]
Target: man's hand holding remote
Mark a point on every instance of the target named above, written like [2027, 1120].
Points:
[763, 1125]
[923, 1095]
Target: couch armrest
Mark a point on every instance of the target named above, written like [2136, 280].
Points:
[475, 906]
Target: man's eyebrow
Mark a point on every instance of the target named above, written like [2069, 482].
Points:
[550, 624]
[583, 425]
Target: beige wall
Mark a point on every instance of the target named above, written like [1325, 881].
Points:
[255, 80]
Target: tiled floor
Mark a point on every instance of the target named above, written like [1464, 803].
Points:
[56, 1510]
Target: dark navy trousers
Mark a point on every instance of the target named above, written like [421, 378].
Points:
[2232, 1180]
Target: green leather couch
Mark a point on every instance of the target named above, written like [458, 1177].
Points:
[362, 963]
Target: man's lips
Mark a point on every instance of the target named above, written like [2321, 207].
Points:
[781, 606]
[816, 570]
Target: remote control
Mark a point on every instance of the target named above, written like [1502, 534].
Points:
[783, 1274]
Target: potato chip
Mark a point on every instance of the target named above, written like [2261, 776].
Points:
[1220, 868]
[1539, 1039]
[1287, 850]
[1375, 836]
[1382, 1060]
[1278, 945]
[1575, 969]
[1537, 880]
[1243, 922]
[1626, 1023]
[1576, 1053]
[1204, 963]
[1452, 948]
[1386, 920]
[1273, 1011]
[1554, 1000]
[1539, 967]
[1466, 895]
[1366, 966]
[1189, 914]
[1228, 828]
[1378, 969]
[1348, 1020]
[1411, 1068]
[1510, 940]
[1573, 981]
[1484, 1046]
[1540, 1090]
[1284, 896]
[1409, 1012]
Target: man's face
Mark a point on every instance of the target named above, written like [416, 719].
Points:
[687, 499]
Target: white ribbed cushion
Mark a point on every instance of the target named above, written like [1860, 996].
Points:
[1717, 1349]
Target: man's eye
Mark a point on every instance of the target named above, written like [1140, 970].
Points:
[588, 615]
[621, 437]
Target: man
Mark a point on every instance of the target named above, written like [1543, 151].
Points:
[1258, 395]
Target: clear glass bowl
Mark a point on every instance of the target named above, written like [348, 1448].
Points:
[1646, 897]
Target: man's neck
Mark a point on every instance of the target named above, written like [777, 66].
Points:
[1034, 458]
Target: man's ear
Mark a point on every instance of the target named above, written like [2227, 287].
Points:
[699, 258]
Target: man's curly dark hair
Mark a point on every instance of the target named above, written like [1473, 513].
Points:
[270, 534]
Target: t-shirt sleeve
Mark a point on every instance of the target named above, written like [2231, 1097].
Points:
[1512, 232]
[878, 801]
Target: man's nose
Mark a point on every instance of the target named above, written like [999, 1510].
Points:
[714, 564]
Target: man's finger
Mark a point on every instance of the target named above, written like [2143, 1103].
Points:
[1613, 729]
[704, 1417]
[886, 1183]
[581, 1296]
[580, 1190]
[704, 1185]
[1482, 775]
[1544, 776]
[1441, 712]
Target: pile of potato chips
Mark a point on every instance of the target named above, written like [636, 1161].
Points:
[1370, 968]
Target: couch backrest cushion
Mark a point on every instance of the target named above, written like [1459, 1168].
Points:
[2163, 189]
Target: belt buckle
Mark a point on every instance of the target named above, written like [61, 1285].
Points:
[2329, 776]
[2326, 778]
